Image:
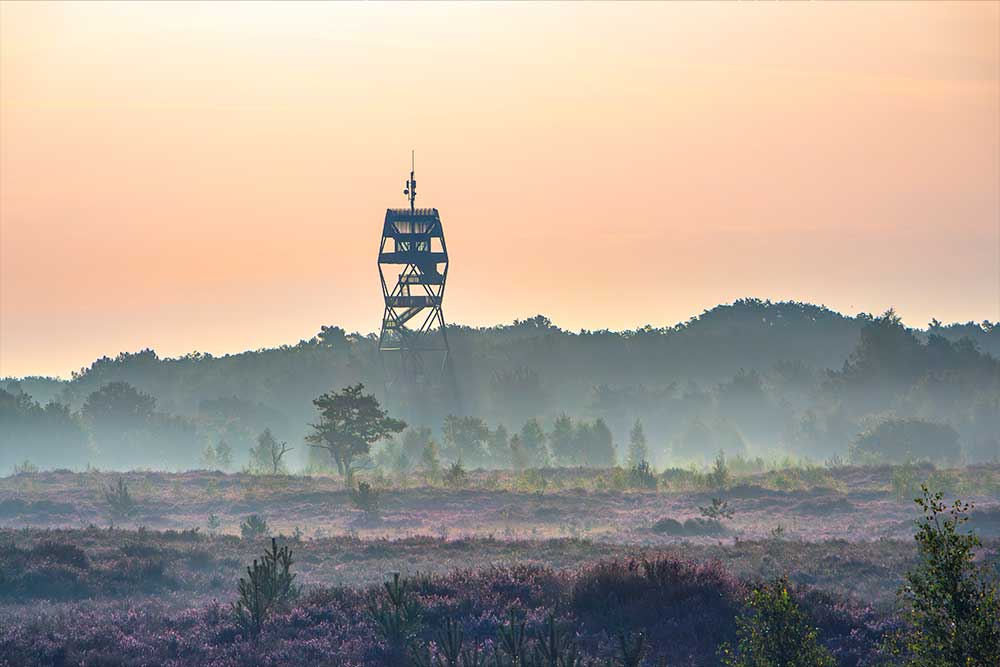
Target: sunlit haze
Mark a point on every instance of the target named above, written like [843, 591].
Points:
[213, 176]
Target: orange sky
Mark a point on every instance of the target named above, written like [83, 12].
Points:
[213, 177]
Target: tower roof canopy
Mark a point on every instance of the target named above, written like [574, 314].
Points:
[427, 214]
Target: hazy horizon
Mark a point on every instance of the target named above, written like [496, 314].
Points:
[305, 337]
[213, 177]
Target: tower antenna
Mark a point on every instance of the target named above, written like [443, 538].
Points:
[411, 185]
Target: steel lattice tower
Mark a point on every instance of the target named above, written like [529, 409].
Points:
[413, 343]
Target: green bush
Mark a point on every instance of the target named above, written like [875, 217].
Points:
[550, 645]
[254, 526]
[774, 632]
[953, 605]
[641, 476]
[905, 480]
[719, 477]
[555, 646]
[268, 587]
[719, 509]
[368, 499]
[455, 476]
[396, 614]
[531, 481]
[121, 504]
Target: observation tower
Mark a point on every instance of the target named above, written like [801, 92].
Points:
[413, 268]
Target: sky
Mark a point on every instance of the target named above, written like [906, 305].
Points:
[213, 176]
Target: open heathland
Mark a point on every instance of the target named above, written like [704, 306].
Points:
[86, 581]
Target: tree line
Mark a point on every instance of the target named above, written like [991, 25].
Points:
[749, 377]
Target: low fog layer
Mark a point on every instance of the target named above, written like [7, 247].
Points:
[753, 379]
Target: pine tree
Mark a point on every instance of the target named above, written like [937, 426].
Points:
[637, 449]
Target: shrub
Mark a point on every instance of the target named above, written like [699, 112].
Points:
[120, 503]
[896, 440]
[555, 646]
[699, 526]
[254, 526]
[450, 640]
[396, 615]
[631, 649]
[455, 475]
[430, 460]
[219, 457]
[268, 587]
[641, 476]
[550, 645]
[531, 481]
[512, 640]
[773, 632]
[719, 509]
[904, 481]
[694, 527]
[719, 477]
[650, 589]
[223, 455]
[368, 499]
[675, 478]
[26, 467]
[61, 552]
[953, 604]
[668, 526]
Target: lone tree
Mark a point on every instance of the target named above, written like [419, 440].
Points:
[266, 457]
[350, 422]
[637, 449]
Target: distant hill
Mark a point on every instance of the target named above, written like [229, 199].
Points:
[509, 373]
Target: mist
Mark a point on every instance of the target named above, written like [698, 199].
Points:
[755, 380]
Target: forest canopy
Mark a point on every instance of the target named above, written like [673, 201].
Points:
[752, 377]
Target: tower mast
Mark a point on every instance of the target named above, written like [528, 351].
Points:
[411, 185]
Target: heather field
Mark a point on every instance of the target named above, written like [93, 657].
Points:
[800, 503]
[81, 587]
